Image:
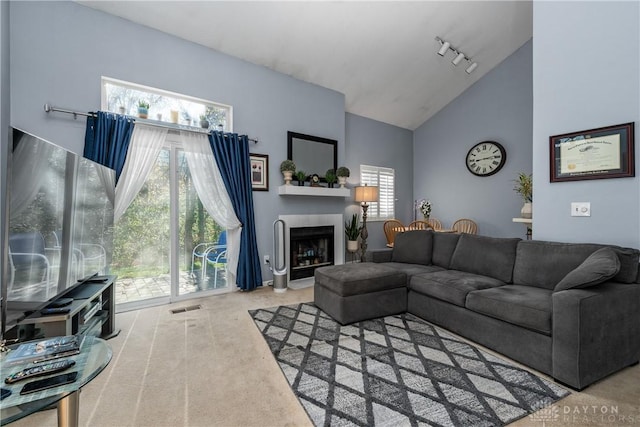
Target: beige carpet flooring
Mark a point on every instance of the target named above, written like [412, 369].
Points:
[211, 367]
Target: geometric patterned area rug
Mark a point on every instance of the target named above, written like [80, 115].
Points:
[396, 370]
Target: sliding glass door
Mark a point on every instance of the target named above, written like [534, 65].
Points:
[166, 245]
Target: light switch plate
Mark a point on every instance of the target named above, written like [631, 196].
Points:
[580, 209]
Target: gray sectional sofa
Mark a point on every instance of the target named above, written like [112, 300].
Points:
[571, 311]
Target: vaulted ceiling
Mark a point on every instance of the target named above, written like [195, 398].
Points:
[381, 55]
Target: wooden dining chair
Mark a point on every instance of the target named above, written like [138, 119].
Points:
[465, 225]
[419, 225]
[392, 227]
[434, 223]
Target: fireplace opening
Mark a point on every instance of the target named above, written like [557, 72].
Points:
[310, 248]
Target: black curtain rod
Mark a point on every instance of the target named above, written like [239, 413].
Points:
[49, 109]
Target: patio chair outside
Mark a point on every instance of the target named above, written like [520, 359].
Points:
[214, 252]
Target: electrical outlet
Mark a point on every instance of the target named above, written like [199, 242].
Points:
[580, 209]
[267, 260]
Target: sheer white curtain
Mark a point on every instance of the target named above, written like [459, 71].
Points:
[212, 193]
[107, 178]
[146, 143]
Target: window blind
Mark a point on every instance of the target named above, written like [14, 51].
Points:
[384, 178]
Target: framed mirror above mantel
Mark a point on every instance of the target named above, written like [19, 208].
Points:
[312, 154]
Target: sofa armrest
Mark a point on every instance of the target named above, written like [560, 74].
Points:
[596, 331]
[378, 255]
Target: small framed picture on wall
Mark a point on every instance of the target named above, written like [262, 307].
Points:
[259, 172]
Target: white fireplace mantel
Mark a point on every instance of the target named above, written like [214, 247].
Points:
[299, 190]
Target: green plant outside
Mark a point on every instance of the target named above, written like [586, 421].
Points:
[142, 235]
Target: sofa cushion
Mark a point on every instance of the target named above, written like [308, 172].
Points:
[524, 306]
[451, 285]
[359, 278]
[378, 255]
[599, 267]
[412, 269]
[444, 244]
[413, 247]
[543, 264]
[488, 256]
[629, 259]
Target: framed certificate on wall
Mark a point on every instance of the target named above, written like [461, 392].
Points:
[605, 152]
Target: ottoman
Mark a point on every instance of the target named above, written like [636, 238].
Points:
[353, 292]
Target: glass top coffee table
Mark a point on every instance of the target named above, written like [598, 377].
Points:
[94, 356]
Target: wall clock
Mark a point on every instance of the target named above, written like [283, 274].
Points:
[486, 158]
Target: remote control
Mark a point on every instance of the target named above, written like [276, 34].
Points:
[50, 382]
[39, 370]
[55, 310]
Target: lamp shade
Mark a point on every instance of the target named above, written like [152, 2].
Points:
[364, 193]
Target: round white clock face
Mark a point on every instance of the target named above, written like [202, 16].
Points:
[486, 158]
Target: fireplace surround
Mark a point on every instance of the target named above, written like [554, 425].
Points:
[309, 255]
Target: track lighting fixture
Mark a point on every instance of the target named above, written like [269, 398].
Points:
[445, 47]
[471, 67]
[459, 57]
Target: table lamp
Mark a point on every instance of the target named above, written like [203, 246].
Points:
[363, 195]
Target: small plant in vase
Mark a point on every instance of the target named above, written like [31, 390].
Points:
[425, 208]
[287, 167]
[204, 123]
[524, 187]
[143, 109]
[352, 230]
[301, 176]
[330, 177]
[343, 173]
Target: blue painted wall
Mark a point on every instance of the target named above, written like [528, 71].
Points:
[373, 143]
[60, 50]
[498, 107]
[586, 68]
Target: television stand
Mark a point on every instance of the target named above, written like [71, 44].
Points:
[91, 312]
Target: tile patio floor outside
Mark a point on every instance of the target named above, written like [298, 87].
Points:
[140, 288]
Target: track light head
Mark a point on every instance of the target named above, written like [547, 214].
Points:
[471, 67]
[444, 47]
[459, 57]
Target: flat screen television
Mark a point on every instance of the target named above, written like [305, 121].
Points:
[59, 224]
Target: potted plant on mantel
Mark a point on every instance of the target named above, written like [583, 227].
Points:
[330, 177]
[343, 173]
[301, 176]
[524, 187]
[352, 230]
[287, 167]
